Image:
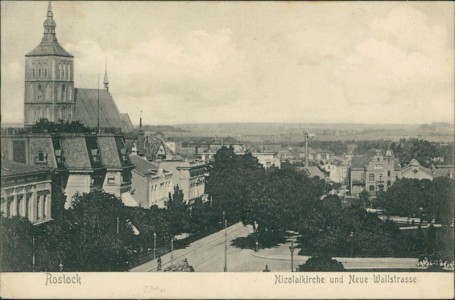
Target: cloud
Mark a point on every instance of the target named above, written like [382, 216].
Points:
[203, 69]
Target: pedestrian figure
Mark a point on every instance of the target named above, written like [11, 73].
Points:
[159, 263]
[266, 269]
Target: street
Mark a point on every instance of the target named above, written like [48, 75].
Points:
[207, 255]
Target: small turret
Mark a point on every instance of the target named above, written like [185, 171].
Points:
[106, 80]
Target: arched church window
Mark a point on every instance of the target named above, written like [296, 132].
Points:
[49, 92]
[69, 94]
[59, 91]
[30, 92]
[45, 72]
[33, 71]
[40, 92]
[69, 71]
[64, 72]
[63, 93]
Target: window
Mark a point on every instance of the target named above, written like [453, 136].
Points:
[371, 177]
[19, 204]
[388, 173]
[38, 204]
[380, 177]
[389, 183]
[40, 92]
[41, 157]
[44, 206]
[27, 205]
[111, 180]
[371, 188]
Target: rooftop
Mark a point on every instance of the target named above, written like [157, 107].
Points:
[12, 168]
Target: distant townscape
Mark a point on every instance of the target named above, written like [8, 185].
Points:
[82, 189]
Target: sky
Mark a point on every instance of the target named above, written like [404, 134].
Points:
[220, 62]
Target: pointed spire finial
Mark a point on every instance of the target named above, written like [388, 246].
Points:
[49, 23]
[49, 10]
[106, 80]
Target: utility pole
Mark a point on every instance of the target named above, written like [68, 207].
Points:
[172, 252]
[292, 248]
[306, 149]
[33, 252]
[225, 245]
[154, 245]
[98, 123]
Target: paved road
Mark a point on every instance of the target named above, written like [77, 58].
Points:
[207, 255]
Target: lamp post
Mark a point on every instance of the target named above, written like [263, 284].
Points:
[172, 251]
[33, 252]
[154, 245]
[291, 248]
[352, 243]
[225, 244]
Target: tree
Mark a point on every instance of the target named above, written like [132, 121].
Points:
[178, 216]
[364, 198]
[16, 246]
[321, 264]
[232, 178]
[100, 233]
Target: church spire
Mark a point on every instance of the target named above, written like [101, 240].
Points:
[49, 24]
[106, 80]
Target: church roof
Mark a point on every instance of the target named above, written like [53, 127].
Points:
[127, 122]
[86, 109]
[49, 46]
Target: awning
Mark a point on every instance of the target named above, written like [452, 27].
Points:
[128, 200]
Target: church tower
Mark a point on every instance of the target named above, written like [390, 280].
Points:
[49, 79]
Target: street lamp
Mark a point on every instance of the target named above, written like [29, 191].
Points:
[225, 244]
[352, 243]
[172, 251]
[292, 248]
[154, 245]
[33, 252]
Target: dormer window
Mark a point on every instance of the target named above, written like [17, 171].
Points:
[95, 155]
[41, 157]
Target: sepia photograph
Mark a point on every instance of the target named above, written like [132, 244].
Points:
[270, 149]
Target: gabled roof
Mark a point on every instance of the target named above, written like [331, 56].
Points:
[313, 171]
[152, 146]
[145, 167]
[86, 109]
[444, 170]
[12, 168]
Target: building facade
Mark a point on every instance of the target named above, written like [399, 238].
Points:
[83, 162]
[415, 171]
[151, 184]
[26, 192]
[189, 176]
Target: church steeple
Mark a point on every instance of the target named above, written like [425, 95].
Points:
[49, 24]
[106, 80]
